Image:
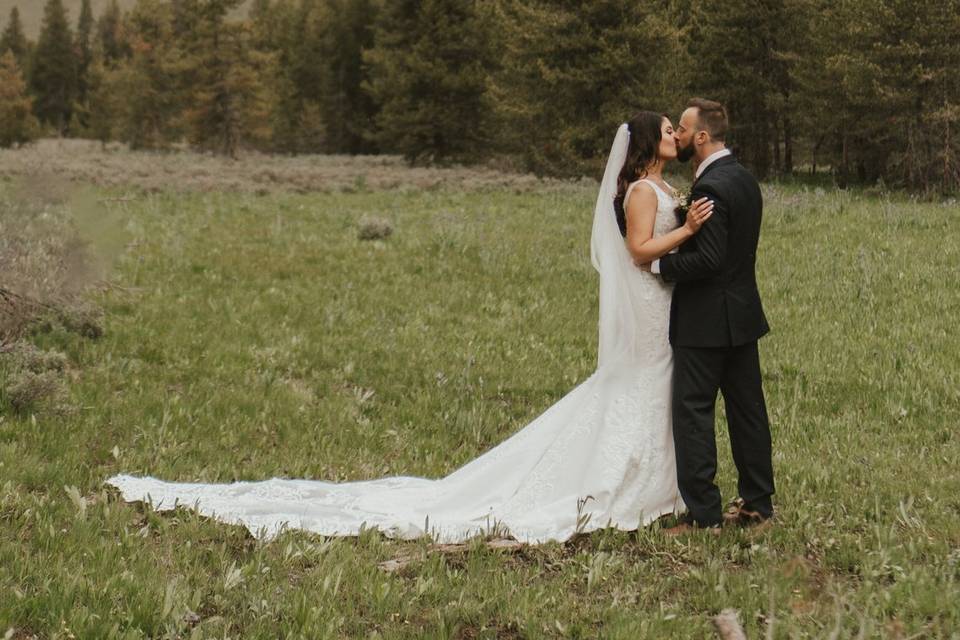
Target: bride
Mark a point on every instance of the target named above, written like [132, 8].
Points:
[601, 456]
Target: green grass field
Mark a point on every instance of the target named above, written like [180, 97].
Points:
[249, 336]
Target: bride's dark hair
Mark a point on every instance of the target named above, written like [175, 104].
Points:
[645, 137]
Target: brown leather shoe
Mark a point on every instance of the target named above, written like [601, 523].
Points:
[732, 514]
[750, 520]
[685, 528]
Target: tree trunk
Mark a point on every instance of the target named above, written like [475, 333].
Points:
[946, 156]
[788, 147]
[776, 150]
[816, 150]
[844, 160]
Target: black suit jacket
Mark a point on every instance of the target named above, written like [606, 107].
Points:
[716, 302]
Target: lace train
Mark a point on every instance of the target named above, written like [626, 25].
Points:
[591, 460]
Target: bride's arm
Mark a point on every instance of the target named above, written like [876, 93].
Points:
[641, 215]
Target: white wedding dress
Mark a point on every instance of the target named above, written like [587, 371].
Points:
[601, 456]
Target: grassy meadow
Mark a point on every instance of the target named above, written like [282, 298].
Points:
[249, 333]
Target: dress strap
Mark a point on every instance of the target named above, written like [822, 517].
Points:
[656, 187]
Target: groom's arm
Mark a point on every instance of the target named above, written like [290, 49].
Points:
[711, 250]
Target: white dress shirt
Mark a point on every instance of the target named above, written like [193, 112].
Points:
[710, 159]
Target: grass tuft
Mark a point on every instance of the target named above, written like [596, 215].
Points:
[371, 228]
[25, 390]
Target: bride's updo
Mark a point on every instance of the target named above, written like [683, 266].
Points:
[645, 136]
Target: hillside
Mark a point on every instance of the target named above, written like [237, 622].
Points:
[31, 11]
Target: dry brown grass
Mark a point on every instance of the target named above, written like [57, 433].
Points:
[88, 161]
[47, 262]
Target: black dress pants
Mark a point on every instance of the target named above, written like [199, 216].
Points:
[698, 373]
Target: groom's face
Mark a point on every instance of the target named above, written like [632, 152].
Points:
[684, 134]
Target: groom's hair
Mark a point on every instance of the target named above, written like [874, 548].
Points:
[711, 117]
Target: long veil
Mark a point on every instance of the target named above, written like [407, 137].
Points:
[600, 456]
[619, 312]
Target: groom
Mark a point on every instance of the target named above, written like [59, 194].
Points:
[715, 320]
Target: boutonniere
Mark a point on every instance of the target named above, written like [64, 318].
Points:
[683, 203]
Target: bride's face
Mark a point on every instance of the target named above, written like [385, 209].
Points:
[668, 146]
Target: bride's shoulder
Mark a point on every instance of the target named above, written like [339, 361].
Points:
[642, 185]
[643, 188]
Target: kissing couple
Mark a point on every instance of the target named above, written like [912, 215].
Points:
[680, 317]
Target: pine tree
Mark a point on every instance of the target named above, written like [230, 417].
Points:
[17, 123]
[110, 36]
[104, 109]
[736, 47]
[186, 13]
[260, 9]
[572, 72]
[295, 30]
[14, 40]
[428, 72]
[53, 78]
[84, 48]
[845, 109]
[835, 88]
[347, 109]
[914, 61]
[261, 16]
[149, 115]
[227, 101]
[277, 28]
